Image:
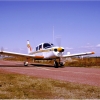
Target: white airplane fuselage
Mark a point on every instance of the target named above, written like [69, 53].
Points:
[48, 53]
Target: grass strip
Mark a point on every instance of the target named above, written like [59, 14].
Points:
[16, 86]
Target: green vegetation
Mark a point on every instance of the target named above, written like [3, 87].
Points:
[85, 62]
[15, 86]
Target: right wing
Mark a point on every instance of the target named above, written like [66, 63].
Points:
[20, 55]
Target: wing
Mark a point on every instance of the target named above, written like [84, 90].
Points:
[77, 54]
[20, 55]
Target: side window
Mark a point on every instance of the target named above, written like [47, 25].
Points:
[44, 46]
[40, 47]
[36, 48]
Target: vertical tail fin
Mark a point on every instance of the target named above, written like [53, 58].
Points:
[29, 47]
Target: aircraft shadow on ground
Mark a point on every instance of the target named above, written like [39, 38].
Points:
[42, 65]
[21, 65]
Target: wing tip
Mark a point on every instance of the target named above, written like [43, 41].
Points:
[93, 52]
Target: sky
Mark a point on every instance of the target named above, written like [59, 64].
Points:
[75, 22]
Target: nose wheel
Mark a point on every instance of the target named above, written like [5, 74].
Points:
[61, 64]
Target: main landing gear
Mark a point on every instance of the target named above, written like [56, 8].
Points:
[58, 64]
[25, 63]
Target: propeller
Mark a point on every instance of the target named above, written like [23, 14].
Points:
[58, 39]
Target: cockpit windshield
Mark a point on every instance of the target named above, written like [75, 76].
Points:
[47, 45]
[52, 45]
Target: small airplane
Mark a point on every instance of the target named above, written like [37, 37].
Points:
[45, 51]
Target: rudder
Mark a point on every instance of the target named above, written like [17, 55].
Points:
[29, 47]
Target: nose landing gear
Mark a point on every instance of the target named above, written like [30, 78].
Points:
[61, 64]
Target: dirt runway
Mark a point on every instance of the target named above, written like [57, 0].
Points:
[89, 76]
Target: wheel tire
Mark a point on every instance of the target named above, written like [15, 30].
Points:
[25, 63]
[56, 64]
[61, 64]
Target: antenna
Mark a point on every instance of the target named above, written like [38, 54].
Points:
[53, 34]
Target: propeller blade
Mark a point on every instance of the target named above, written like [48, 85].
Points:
[58, 39]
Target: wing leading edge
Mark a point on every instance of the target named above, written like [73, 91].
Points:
[78, 54]
[20, 55]
[41, 57]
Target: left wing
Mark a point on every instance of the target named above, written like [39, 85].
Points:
[77, 54]
[20, 55]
